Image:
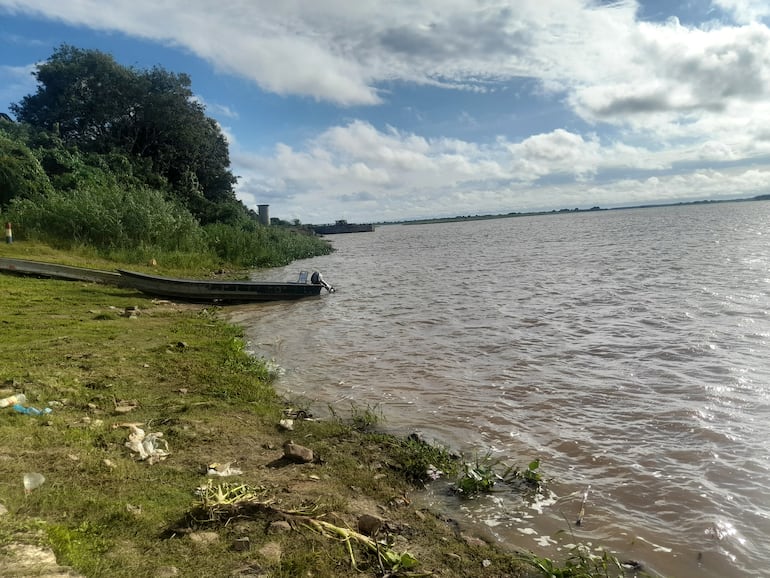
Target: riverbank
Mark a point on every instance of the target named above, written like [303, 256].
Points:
[110, 362]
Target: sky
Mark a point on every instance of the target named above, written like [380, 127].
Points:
[376, 111]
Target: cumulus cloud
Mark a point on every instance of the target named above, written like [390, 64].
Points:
[394, 174]
[611, 65]
[745, 11]
[683, 71]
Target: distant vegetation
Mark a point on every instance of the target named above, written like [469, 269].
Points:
[126, 162]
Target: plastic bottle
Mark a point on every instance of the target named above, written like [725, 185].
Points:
[30, 410]
[13, 400]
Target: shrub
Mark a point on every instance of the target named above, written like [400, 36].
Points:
[107, 217]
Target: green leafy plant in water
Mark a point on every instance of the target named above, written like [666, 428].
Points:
[581, 563]
[419, 461]
[364, 419]
[477, 477]
[481, 476]
[530, 477]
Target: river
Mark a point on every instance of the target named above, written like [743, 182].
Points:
[627, 350]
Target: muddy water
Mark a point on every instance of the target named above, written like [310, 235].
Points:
[627, 350]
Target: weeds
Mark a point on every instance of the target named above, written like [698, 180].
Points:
[481, 476]
[477, 477]
[419, 461]
[367, 418]
[581, 563]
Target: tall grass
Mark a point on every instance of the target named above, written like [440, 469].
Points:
[107, 217]
[138, 224]
[252, 245]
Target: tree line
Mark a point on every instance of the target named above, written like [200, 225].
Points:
[121, 158]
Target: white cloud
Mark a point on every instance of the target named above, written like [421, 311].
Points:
[357, 171]
[745, 11]
[613, 67]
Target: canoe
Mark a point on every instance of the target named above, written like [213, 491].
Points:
[219, 291]
[56, 271]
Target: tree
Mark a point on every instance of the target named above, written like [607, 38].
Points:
[92, 102]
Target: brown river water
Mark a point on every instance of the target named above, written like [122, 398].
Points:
[627, 350]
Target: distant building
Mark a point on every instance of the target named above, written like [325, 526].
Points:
[264, 215]
[5, 117]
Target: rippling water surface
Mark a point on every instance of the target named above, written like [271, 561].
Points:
[628, 350]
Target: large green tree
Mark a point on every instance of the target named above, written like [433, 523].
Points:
[100, 106]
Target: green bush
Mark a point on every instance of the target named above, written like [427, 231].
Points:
[249, 244]
[20, 172]
[107, 217]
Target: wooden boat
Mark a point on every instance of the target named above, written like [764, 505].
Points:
[342, 226]
[56, 271]
[220, 291]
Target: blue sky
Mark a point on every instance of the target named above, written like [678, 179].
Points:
[374, 111]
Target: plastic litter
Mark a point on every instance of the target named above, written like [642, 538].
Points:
[150, 447]
[223, 470]
[33, 480]
[13, 400]
[18, 408]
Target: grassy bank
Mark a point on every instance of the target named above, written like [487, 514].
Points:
[104, 359]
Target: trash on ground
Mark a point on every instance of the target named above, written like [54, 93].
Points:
[32, 480]
[13, 400]
[290, 412]
[223, 469]
[125, 405]
[151, 447]
[19, 408]
[286, 424]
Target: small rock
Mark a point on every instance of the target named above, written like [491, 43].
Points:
[167, 572]
[109, 463]
[3, 510]
[368, 524]
[241, 544]
[279, 527]
[297, 453]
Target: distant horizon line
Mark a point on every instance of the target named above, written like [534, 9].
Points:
[478, 217]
